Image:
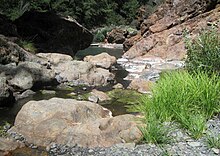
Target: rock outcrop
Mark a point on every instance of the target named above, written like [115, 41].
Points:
[78, 72]
[116, 36]
[20, 70]
[82, 73]
[51, 33]
[163, 31]
[141, 85]
[70, 122]
[119, 35]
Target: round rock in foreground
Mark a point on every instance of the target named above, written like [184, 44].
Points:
[70, 122]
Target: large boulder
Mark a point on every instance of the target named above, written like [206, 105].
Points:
[163, 32]
[103, 60]
[7, 28]
[52, 33]
[70, 122]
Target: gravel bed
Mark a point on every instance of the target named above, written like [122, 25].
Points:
[181, 145]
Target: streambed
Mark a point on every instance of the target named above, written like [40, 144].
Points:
[117, 105]
[117, 108]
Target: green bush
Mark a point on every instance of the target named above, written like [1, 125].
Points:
[203, 53]
[101, 33]
[18, 10]
[189, 99]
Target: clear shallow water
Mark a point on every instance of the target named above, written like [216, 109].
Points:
[9, 114]
[94, 50]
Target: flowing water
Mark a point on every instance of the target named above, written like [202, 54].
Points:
[94, 50]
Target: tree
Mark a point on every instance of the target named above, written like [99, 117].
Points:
[91, 13]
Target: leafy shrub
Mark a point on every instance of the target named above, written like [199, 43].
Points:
[19, 10]
[204, 52]
[189, 99]
[101, 33]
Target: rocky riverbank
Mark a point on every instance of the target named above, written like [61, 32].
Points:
[180, 144]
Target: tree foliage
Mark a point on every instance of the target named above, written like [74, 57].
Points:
[88, 12]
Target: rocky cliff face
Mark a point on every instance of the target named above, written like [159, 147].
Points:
[162, 32]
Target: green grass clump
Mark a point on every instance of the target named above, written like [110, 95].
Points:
[213, 141]
[28, 45]
[154, 131]
[203, 53]
[189, 99]
[3, 132]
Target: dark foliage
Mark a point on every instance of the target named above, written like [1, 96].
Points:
[88, 12]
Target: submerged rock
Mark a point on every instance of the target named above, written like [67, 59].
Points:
[125, 96]
[100, 95]
[70, 122]
[118, 86]
[52, 92]
[25, 94]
